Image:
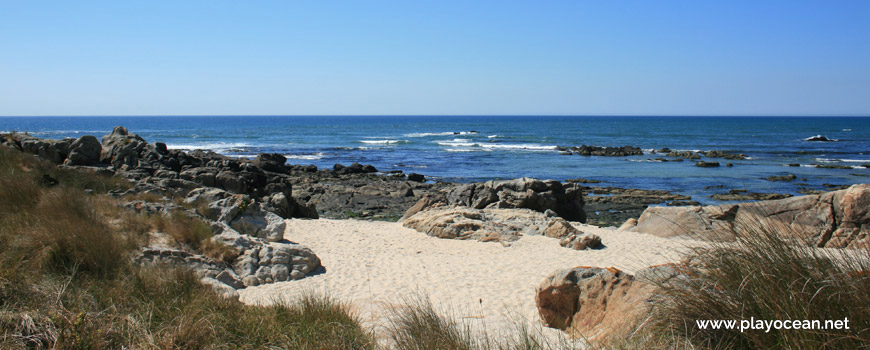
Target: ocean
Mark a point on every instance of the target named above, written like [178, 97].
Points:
[479, 148]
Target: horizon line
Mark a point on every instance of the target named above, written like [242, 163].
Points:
[445, 115]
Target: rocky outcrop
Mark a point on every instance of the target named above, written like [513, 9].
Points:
[259, 253]
[527, 193]
[585, 150]
[498, 225]
[835, 219]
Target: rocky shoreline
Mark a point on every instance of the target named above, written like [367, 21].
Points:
[344, 191]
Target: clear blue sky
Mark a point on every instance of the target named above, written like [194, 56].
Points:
[126, 57]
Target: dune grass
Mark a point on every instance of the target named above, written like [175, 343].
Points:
[67, 280]
[764, 275]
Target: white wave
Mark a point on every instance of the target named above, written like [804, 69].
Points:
[445, 133]
[493, 136]
[383, 142]
[463, 149]
[212, 146]
[314, 156]
[847, 129]
[458, 143]
[522, 146]
[830, 160]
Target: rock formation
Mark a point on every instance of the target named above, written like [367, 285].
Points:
[498, 225]
[835, 219]
[528, 193]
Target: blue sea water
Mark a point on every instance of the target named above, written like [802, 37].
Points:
[477, 148]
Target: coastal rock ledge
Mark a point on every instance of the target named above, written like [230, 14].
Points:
[838, 219]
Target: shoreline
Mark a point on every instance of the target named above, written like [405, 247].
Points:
[377, 265]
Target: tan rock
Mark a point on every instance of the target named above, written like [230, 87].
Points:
[837, 219]
[592, 302]
[497, 225]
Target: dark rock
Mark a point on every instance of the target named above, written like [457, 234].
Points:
[704, 164]
[724, 155]
[794, 164]
[585, 150]
[787, 178]
[684, 154]
[271, 162]
[818, 138]
[416, 177]
[832, 166]
[683, 203]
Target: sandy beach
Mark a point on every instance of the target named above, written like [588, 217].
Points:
[378, 266]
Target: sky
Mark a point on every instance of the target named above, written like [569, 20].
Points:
[423, 57]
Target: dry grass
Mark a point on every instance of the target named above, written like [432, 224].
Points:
[764, 275]
[67, 280]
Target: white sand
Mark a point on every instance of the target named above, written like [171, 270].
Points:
[377, 266]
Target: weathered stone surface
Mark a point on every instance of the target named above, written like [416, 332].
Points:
[528, 193]
[496, 225]
[84, 151]
[835, 219]
[593, 302]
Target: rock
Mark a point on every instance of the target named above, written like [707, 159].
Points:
[832, 166]
[628, 225]
[230, 278]
[585, 150]
[274, 262]
[225, 291]
[684, 154]
[84, 151]
[704, 164]
[231, 181]
[528, 193]
[271, 162]
[682, 203]
[496, 225]
[837, 219]
[789, 177]
[247, 217]
[51, 150]
[355, 168]
[694, 221]
[121, 149]
[743, 195]
[724, 154]
[818, 138]
[594, 303]
[416, 177]
[206, 195]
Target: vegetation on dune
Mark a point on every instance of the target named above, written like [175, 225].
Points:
[67, 280]
[763, 275]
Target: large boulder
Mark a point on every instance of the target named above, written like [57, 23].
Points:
[598, 303]
[498, 225]
[528, 193]
[121, 149]
[241, 213]
[835, 219]
[84, 151]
